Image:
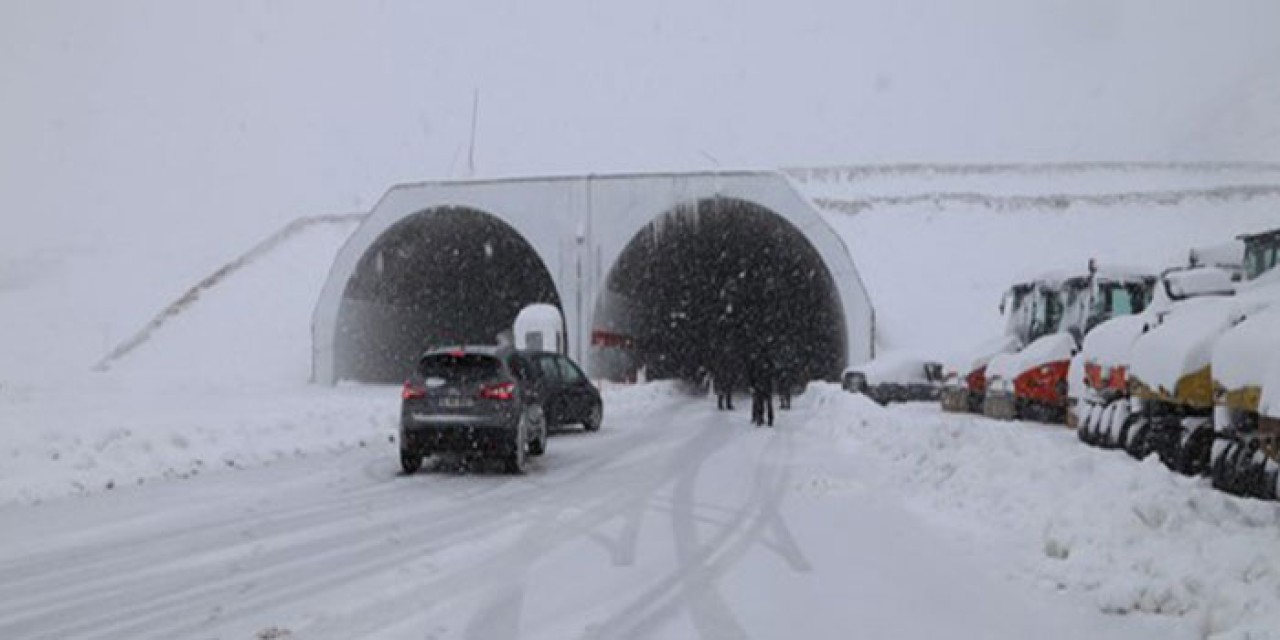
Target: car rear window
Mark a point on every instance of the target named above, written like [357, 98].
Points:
[455, 368]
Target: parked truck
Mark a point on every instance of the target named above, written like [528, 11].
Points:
[1032, 382]
[1100, 399]
[1245, 370]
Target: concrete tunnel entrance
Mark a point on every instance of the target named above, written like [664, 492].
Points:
[713, 285]
[447, 275]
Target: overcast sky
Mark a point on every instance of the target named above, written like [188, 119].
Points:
[193, 114]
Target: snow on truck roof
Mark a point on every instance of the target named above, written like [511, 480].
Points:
[1102, 271]
[896, 366]
[1261, 235]
[1223, 254]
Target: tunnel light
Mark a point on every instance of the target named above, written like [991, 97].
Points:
[411, 391]
[502, 391]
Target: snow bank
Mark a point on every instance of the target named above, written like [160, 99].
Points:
[119, 434]
[1134, 538]
[221, 384]
[94, 436]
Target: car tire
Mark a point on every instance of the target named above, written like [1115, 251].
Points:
[594, 419]
[515, 459]
[410, 461]
[539, 446]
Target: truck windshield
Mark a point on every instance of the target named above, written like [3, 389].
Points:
[1047, 314]
[1018, 312]
[1260, 256]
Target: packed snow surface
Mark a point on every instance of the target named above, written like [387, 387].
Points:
[675, 520]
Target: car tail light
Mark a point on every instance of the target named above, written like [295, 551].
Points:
[501, 391]
[411, 391]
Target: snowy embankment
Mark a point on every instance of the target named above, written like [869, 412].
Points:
[937, 245]
[1133, 538]
[223, 383]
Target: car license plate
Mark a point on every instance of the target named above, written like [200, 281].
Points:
[457, 403]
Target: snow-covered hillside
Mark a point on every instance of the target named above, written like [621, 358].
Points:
[938, 244]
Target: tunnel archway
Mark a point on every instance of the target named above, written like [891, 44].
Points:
[446, 275]
[716, 285]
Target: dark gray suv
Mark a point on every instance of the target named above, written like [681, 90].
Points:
[492, 402]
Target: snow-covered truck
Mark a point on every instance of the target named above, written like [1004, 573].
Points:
[1098, 388]
[964, 376]
[1245, 369]
[1032, 382]
[895, 377]
[1172, 380]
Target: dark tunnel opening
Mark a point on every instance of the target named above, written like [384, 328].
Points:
[718, 287]
[445, 276]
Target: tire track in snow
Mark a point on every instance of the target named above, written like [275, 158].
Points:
[290, 564]
[694, 584]
[234, 582]
[579, 512]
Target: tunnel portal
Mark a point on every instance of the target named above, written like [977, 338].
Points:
[716, 286]
[449, 275]
[718, 266]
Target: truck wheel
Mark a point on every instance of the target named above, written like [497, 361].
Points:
[1195, 451]
[410, 461]
[1138, 441]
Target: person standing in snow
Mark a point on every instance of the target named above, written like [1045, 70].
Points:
[788, 375]
[722, 381]
[762, 383]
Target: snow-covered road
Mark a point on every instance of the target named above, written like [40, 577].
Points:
[674, 521]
